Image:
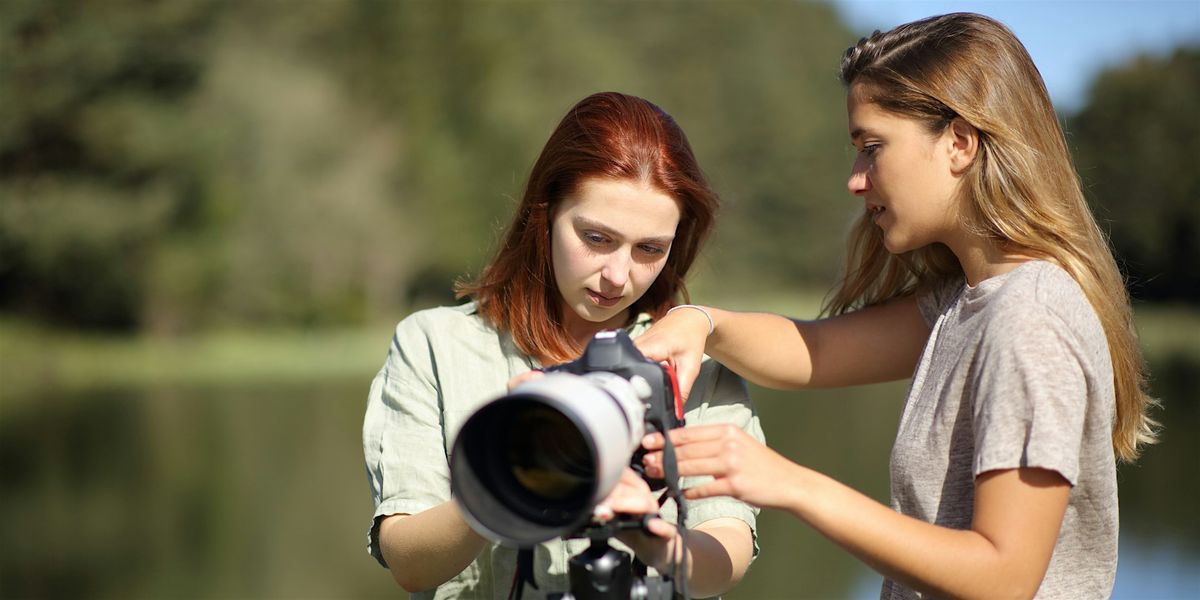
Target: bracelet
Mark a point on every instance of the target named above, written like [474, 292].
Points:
[712, 326]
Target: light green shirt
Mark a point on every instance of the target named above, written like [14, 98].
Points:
[442, 365]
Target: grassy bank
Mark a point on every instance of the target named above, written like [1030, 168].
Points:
[34, 358]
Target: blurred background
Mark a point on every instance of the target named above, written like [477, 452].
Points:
[213, 212]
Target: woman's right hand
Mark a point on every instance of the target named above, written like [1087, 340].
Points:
[678, 339]
[741, 466]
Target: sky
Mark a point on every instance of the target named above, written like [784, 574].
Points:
[1070, 40]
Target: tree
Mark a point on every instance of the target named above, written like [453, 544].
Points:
[1136, 142]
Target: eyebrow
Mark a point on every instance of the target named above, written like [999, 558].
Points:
[590, 224]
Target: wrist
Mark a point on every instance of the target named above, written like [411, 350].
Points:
[661, 554]
[668, 555]
[712, 325]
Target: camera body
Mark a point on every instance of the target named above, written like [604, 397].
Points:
[613, 352]
[531, 465]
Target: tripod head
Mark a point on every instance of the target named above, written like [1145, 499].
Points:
[602, 572]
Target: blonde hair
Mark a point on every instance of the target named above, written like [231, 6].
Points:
[1021, 191]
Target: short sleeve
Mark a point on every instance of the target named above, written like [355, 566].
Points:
[403, 439]
[720, 396]
[1032, 396]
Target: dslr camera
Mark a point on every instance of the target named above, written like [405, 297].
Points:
[532, 465]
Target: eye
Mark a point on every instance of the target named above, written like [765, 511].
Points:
[652, 249]
[594, 238]
[869, 149]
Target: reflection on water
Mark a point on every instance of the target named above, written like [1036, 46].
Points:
[259, 492]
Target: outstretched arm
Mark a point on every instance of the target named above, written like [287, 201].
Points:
[874, 344]
[1017, 515]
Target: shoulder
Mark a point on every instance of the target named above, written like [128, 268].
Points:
[435, 339]
[1040, 286]
[442, 320]
[1040, 300]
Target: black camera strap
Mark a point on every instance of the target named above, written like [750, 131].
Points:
[675, 491]
[523, 574]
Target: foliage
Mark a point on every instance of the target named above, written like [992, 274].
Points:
[175, 166]
[1136, 143]
[179, 166]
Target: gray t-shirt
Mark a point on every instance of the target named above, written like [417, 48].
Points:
[1016, 373]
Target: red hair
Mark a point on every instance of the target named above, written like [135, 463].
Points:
[606, 135]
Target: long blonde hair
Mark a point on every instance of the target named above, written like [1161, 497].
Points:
[1021, 191]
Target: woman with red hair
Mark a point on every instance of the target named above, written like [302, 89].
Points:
[614, 213]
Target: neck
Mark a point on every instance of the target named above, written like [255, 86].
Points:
[982, 259]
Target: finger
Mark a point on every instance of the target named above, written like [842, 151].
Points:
[715, 466]
[631, 495]
[603, 513]
[692, 434]
[686, 372]
[633, 505]
[649, 346]
[661, 528]
[702, 449]
[686, 366]
[632, 479]
[716, 487]
[523, 378]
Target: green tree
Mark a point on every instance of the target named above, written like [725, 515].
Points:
[90, 152]
[172, 166]
[1136, 143]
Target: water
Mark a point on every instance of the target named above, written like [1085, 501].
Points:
[259, 491]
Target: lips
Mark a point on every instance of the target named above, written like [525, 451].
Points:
[875, 211]
[602, 300]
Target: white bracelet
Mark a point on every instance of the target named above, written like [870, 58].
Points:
[712, 326]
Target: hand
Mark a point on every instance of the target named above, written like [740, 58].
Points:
[741, 466]
[632, 496]
[677, 338]
[524, 377]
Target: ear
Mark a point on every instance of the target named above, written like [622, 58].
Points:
[964, 144]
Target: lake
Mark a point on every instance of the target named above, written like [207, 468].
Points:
[249, 488]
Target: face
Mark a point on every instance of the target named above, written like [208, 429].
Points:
[609, 242]
[904, 174]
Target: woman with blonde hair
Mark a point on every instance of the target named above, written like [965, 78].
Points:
[977, 269]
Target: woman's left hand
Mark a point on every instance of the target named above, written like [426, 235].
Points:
[525, 377]
[741, 466]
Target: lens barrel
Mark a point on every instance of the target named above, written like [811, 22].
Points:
[530, 466]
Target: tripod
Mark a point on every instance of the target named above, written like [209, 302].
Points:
[602, 572]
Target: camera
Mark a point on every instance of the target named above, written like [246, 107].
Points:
[532, 465]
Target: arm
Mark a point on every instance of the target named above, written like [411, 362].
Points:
[1005, 554]
[427, 549]
[418, 532]
[877, 343]
[718, 550]
[718, 555]
[1017, 516]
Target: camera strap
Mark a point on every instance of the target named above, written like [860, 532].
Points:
[523, 574]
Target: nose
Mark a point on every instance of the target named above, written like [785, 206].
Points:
[859, 183]
[616, 268]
